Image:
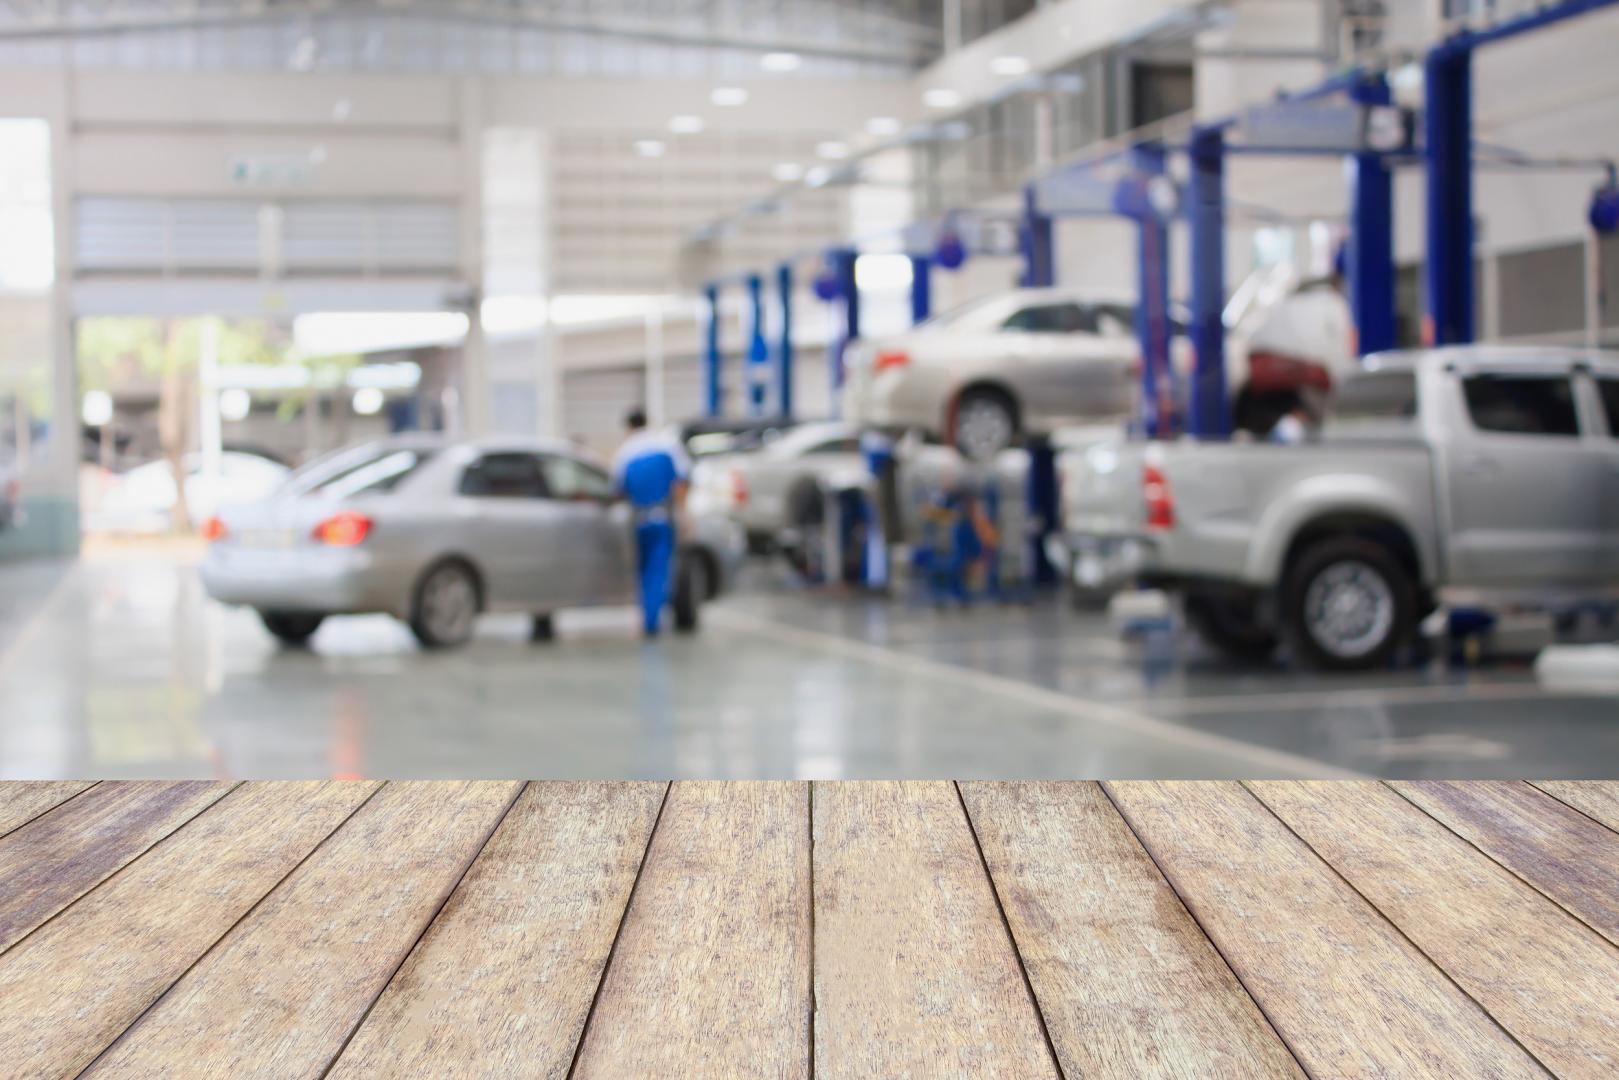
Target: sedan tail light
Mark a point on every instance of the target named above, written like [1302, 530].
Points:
[214, 530]
[1160, 500]
[345, 529]
[891, 358]
[739, 488]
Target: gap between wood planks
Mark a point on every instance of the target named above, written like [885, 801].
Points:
[1085, 709]
[133, 1024]
[1444, 972]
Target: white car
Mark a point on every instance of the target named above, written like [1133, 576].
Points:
[142, 499]
[1033, 360]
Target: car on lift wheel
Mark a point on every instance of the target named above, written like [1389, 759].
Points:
[1348, 604]
[984, 422]
[542, 627]
[1229, 624]
[292, 627]
[691, 588]
[445, 605]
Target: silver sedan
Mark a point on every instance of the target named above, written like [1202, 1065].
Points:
[435, 532]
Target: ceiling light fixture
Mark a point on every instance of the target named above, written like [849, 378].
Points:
[780, 61]
[817, 176]
[788, 171]
[832, 149]
[883, 126]
[685, 124]
[1010, 66]
[941, 97]
[729, 96]
[649, 147]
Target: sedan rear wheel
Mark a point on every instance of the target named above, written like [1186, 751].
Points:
[446, 606]
[985, 424]
[292, 627]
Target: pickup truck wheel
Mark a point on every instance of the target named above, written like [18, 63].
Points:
[292, 627]
[984, 423]
[1230, 625]
[1349, 604]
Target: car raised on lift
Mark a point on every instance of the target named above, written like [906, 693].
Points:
[435, 532]
[1031, 361]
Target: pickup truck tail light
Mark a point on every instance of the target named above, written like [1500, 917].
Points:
[214, 530]
[1160, 501]
[739, 488]
[891, 358]
[346, 529]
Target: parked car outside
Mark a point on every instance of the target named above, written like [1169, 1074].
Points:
[435, 532]
[1032, 360]
[142, 499]
[1485, 476]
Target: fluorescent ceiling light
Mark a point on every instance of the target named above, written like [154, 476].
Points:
[883, 126]
[941, 97]
[685, 124]
[728, 95]
[1010, 65]
[780, 61]
[882, 272]
[787, 171]
[832, 149]
[649, 147]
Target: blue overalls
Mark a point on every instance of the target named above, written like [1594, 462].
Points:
[648, 479]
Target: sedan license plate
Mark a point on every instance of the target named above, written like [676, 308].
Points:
[269, 538]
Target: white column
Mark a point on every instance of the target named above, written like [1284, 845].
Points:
[474, 380]
[64, 430]
[210, 429]
[655, 404]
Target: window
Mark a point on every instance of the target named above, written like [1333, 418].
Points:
[371, 474]
[570, 478]
[504, 476]
[1376, 395]
[1609, 389]
[1053, 319]
[1522, 404]
[847, 445]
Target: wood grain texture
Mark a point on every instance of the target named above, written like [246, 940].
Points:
[1128, 984]
[21, 801]
[915, 974]
[60, 855]
[1558, 850]
[1597, 799]
[500, 984]
[280, 993]
[1546, 977]
[710, 976]
[71, 986]
[1352, 997]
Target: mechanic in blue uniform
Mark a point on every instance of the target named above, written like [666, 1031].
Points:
[651, 471]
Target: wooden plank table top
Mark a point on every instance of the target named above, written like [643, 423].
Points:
[603, 929]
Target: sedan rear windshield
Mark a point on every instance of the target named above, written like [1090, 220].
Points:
[378, 473]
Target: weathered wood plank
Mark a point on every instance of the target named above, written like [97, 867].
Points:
[1351, 996]
[1546, 977]
[21, 801]
[1598, 799]
[1128, 984]
[71, 986]
[711, 973]
[62, 854]
[1556, 849]
[281, 992]
[501, 983]
[915, 974]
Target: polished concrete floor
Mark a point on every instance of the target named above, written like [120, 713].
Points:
[118, 666]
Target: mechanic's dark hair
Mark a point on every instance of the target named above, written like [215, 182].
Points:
[635, 419]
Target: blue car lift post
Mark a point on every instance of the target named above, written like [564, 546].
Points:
[713, 391]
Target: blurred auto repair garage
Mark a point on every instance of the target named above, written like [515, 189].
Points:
[1072, 388]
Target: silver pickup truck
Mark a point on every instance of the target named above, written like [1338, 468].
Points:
[1486, 476]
